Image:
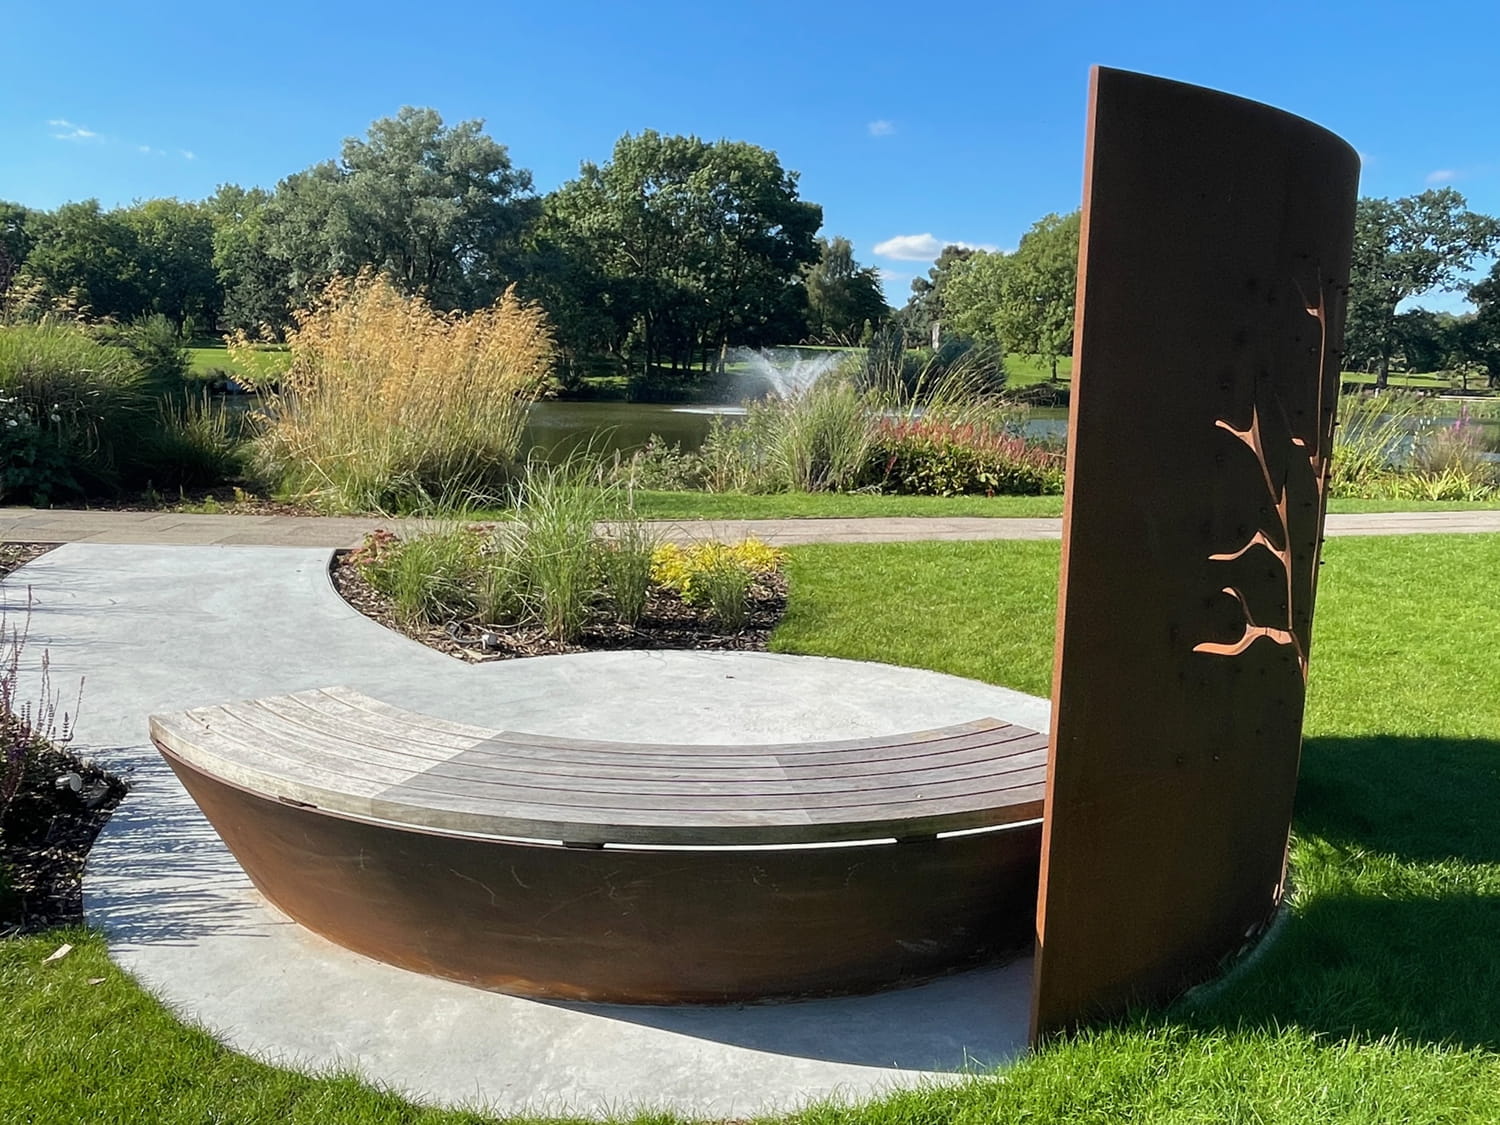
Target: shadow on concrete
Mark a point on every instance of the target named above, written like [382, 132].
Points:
[975, 1020]
[168, 879]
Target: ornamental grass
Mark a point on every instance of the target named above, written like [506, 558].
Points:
[391, 405]
[937, 456]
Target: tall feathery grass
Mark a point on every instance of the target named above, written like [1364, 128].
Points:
[390, 405]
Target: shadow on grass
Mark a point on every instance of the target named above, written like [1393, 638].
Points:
[1418, 799]
[1395, 930]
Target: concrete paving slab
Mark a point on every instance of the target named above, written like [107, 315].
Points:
[165, 628]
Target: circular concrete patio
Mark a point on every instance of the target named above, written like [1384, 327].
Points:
[167, 628]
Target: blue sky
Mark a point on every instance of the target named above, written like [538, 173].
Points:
[911, 125]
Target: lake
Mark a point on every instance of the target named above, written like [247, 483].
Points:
[556, 429]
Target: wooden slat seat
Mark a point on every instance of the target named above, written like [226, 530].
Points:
[337, 750]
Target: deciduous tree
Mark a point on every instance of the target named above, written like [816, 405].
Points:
[843, 297]
[86, 256]
[438, 208]
[1402, 248]
[697, 243]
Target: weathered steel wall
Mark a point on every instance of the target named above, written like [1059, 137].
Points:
[1212, 281]
[631, 925]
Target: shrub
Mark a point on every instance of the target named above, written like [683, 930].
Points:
[84, 412]
[388, 403]
[932, 456]
[33, 464]
[659, 465]
[155, 344]
[682, 569]
[27, 725]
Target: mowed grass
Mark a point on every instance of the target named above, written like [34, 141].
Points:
[257, 365]
[833, 505]
[1376, 1002]
[1023, 370]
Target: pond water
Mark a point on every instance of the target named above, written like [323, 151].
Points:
[556, 429]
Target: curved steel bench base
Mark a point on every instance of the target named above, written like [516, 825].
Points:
[632, 924]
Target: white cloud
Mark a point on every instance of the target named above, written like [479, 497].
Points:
[68, 131]
[72, 132]
[1442, 176]
[881, 128]
[922, 247]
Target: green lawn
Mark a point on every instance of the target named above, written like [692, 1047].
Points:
[259, 363]
[809, 505]
[820, 505]
[1375, 1003]
[1023, 370]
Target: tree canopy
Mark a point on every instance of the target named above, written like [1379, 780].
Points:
[694, 244]
[1024, 300]
[1404, 247]
[843, 297]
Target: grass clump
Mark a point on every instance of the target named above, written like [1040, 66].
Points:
[76, 412]
[716, 576]
[877, 423]
[87, 412]
[1392, 447]
[389, 404]
[625, 560]
[572, 557]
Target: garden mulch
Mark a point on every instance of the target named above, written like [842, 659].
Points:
[61, 802]
[668, 623]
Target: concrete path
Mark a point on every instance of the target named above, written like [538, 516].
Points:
[171, 528]
[159, 628]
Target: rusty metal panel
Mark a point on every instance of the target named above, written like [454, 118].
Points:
[633, 925]
[1212, 282]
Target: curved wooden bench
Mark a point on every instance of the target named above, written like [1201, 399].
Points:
[623, 871]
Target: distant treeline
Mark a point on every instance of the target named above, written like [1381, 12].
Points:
[657, 260]
[662, 257]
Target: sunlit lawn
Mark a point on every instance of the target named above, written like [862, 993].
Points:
[1376, 1002]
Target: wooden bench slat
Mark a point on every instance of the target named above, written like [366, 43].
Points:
[893, 752]
[352, 703]
[471, 772]
[745, 827]
[595, 806]
[996, 758]
[343, 752]
[891, 749]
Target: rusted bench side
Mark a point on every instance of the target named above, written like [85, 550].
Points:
[637, 873]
